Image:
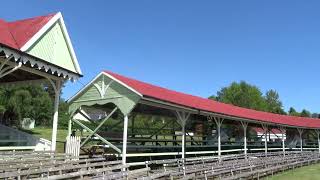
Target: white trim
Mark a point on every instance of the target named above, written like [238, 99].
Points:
[123, 84]
[69, 44]
[92, 82]
[57, 17]
[84, 88]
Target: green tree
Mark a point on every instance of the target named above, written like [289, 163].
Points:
[20, 105]
[273, 102]
[242, 94]
[63, 114]
[213, 97]
[305, 113]
[21, 102]
[293, 112]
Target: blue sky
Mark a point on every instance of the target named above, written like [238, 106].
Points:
[195, 47]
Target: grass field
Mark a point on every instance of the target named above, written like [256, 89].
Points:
[44, 132]
[311, 172]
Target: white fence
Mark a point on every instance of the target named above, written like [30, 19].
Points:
[73, 145]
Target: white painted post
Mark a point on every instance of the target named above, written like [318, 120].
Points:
[57, 90]
[219, 123]
[265, 128]
[69, 127]
[283, 143]
[244, 126]
[300, 134]
[183, 139]
[182, 118]
[318, 133]
[125, 138]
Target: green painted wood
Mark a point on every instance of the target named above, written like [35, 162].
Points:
[117, 94]
[53, 48]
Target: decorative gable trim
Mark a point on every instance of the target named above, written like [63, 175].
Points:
[56, 18]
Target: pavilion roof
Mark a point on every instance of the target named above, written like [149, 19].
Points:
[17, 38]
[17, 33]
[208, 105]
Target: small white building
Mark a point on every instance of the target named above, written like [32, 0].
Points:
[272, 135]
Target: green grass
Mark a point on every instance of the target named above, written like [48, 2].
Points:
[311, 172]
[46, 132]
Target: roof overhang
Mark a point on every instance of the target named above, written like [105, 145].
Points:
[39, 66]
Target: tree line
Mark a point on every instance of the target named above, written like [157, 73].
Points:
[30, 101]
[245, 95]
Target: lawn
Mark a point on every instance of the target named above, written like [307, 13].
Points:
[45, 132]
[311, 172]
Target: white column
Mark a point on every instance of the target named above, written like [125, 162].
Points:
[244, 126]
[318, 133]
[265, 128]
[57, 90]
[283, 131]
[219, 123]
[69, 127]
[125, 139]
[300, 135]
[182, 118]
[183, 143]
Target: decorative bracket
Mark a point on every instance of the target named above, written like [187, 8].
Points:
[182, 117]
[9, 69]
[103, 89]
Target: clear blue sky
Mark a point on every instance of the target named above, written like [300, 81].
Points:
[195, 47]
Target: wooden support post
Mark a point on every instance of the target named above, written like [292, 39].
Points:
[265, 129]
[244, 126]
[219, 123]
[182, 120]
[125, 139]
[300, 131]
[318, 133]
[69, 127]
[57, 89]
[283, 131]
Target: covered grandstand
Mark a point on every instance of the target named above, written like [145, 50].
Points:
[194, 125]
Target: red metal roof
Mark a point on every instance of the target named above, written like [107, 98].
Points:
[16, 34]
[199, 103]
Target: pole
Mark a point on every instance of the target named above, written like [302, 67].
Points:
[182, 120]
[183, 148]
[283, 144]
[57, 89]
[300, 134]
[244, 126]
[125, 138]
[219, 123]
[264, 127]
[69, 127]
[318, 140]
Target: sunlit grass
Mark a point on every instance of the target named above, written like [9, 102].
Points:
[45, 132]
[311, 172]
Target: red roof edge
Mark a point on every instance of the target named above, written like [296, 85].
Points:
[23, 30]
[208, 105]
